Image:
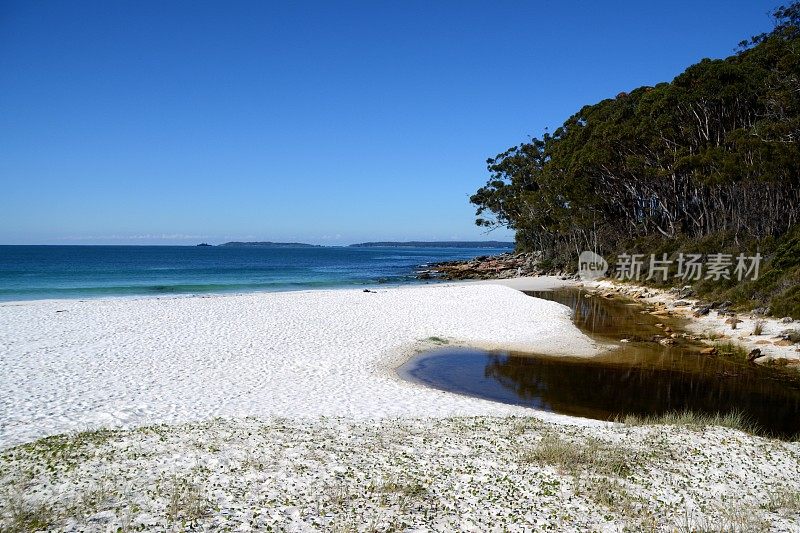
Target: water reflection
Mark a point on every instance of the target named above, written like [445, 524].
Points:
[642, 378]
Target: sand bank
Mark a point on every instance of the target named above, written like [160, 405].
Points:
[715, 327]
[73, 365]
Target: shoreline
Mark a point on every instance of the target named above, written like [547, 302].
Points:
[74, 365]
[222, 293]
[709, 325]
[439, 461]
[713, 325]
[546, 283]
[381, 364]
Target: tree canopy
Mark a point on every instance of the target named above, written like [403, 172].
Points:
[714, 150]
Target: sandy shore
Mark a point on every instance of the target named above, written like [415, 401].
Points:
[317, 433]
[714, 327]
[76, 365]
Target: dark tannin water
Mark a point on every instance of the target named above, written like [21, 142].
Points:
[639, 378]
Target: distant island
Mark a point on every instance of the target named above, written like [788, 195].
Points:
[436, 244]
[268, 244]
[203, 244]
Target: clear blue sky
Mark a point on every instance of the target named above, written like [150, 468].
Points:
[333, 122]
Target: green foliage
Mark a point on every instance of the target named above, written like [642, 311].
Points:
[710, 159]
[779, 276]
[593, 455]
[787, 303]
[731, 349]
[691, 419]
[788, 253]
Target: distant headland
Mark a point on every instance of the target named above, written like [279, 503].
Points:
[387, 244]
[436, 244]
[268, 244]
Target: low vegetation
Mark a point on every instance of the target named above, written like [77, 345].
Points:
[481, 473]
[691, 419]
[731, 349]
[591, 455]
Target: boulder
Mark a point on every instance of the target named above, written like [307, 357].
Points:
[754, 354]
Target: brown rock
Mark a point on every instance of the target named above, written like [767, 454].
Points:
[733, 322]
[708, 351]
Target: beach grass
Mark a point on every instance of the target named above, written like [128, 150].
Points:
[731, 349]
[693, 420]
[591, 455]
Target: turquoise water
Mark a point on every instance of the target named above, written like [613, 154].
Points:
[36, 272]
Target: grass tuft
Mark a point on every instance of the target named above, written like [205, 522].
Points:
[793, 335]
[592, 455]
[782, 500]
[731, 349]
[24, 516]
[186, 502]
[691, 419]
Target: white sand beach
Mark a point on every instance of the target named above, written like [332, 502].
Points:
[76, 365]
[283, 411]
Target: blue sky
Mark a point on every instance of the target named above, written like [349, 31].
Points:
[333, 122]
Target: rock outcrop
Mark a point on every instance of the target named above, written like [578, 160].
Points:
[501, 266]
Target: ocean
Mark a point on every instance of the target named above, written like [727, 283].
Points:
[43, 272]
